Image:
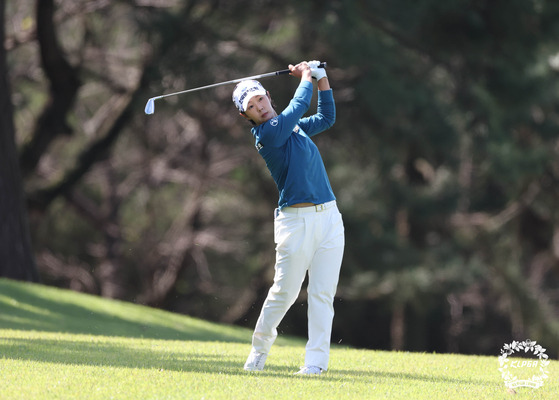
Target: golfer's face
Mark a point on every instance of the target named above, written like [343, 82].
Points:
[259, 109]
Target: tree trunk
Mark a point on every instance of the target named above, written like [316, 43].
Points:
[16, 255]
[398, 327]
[64, 85]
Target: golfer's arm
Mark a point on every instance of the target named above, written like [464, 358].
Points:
[323, 84]
[306, 76]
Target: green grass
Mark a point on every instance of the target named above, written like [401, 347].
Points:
[58, 344]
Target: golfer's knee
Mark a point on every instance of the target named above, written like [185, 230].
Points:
[284, 294]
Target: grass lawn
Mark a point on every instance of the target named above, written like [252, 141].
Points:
[57, 344]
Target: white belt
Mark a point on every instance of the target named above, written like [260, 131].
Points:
[315, 208]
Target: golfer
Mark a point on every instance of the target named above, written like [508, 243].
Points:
[308, 228]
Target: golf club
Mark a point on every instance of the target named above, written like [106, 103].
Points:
[150, 106]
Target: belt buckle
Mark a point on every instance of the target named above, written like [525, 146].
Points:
[319, 207]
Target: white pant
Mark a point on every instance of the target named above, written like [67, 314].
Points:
[309, 239]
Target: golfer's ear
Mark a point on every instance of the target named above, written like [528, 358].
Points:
[242, 114]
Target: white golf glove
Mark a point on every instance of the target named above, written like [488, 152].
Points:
[316, 72]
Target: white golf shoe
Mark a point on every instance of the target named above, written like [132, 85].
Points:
[309, 370]
[255, 361]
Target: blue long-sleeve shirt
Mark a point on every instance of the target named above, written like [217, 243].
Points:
[291, 156]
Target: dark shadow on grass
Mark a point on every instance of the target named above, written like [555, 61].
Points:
[100, 353]
[376, 375]
[107, 355]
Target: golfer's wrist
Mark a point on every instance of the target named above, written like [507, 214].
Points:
[323, 83]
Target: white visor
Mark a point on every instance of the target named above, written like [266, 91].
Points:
[246, 90]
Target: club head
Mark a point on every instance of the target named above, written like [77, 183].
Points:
[150, 106]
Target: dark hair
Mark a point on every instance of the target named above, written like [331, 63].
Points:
[251, 121]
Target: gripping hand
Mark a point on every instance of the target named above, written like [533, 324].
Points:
[317, 73]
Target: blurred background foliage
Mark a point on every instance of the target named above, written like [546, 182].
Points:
[444, 159]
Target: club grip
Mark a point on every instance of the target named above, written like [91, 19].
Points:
[287, 71]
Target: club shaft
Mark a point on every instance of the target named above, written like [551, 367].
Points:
[280, 72]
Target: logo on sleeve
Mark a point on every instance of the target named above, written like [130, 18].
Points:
[259, 146]
[274, 121]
